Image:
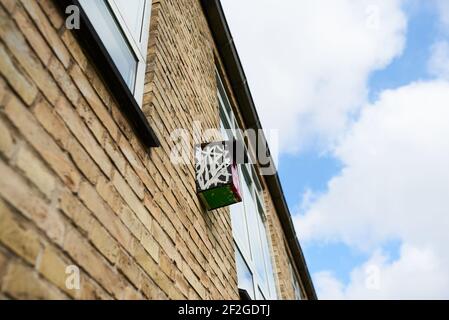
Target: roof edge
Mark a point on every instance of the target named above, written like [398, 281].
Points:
[236, 75]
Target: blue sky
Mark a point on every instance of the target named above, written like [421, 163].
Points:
[359, 92]
[423, 30]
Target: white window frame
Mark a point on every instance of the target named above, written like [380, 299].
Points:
[247, 172]
[138, 46]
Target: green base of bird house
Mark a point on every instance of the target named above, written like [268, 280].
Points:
[219, 197]
[217, 180]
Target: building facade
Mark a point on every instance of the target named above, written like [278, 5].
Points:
[97, 98]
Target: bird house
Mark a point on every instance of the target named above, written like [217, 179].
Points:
[217, 180]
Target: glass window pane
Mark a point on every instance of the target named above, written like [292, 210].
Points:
[225, 129]
[260, 295]
[224, 96]
[223, 132]
[267, 259]
[113, 39]
[296, 285]
[132, 12]
[297, 291]
[259, 259]
[244, 276]
[238, 220]
[254, 236]
[239, 228]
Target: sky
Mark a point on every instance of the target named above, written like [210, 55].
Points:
[359, 91]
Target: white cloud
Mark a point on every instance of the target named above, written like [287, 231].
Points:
[308, 61]
[328, 287]
[439, 61]
[443, 9]
[394, 185]
[418, 274]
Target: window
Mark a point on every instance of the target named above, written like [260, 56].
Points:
[253, 254]
[123, 27]
[296, 284]
[244, 275]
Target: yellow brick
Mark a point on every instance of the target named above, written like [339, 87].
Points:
[153, 208]
[23, 86]
[15, 42]
[150, 245]
[87, 258]
[99, 85]
[164, 241]
[167, 225]
[106, 190]
[155, 273]
[6, 139]
[2, 91]
[129, 267]
[75, 210]
[10, 5]
[103, 241]
[92, 121]
[181, 283]
[18, 237]
[82, 133]
[165, 207]
[16, 191]
[104, 214]
[135, 183]
[131, 199]
[151, 290]
[94, 101]
[114, 153]
[130, 293]
[130, 220]
[22, 282]
[47, 30]
[4, 260]
[42, 142]
[53, 267]
[83, 161]
[52, 13]
[136, 164]
[167, 265]
[63, 79]
[121, 121]
[193, 280]
[54, 125]
[36, 171]
[74, 47]
[33, 36]
[91, 290]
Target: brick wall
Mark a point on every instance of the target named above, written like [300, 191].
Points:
[78, 188]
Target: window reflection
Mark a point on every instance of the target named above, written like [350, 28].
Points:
[269, 267]
[254, 235]
[239, 227]
[105, 25]
[244, 276]
[132, 12]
